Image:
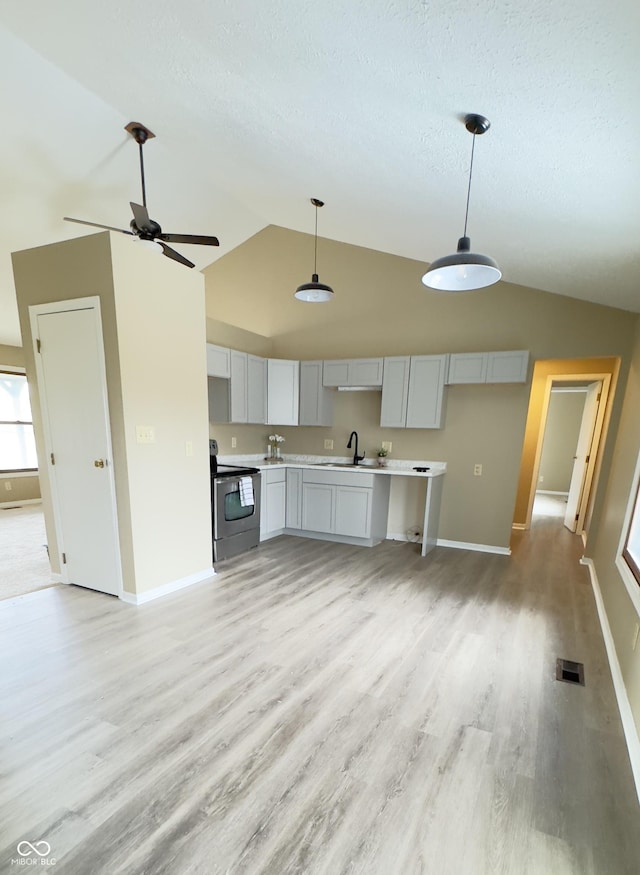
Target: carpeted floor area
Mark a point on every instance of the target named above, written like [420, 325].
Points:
[24, 563]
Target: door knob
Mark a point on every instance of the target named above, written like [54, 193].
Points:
[99, 463]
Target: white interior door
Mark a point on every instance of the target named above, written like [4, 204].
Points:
[73, 397]
[581, 458]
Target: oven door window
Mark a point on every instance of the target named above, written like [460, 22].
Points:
[233, 510]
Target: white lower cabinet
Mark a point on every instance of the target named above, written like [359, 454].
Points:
[273, 503]
[349, 506]
[294, 498]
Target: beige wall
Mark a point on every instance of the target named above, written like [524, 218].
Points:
[381, 308]
[162, 496]
[564, 416]
[605, 536]
[162, 358]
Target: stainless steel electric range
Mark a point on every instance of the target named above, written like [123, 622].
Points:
[235, 506]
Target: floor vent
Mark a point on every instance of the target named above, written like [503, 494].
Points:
[571, 672]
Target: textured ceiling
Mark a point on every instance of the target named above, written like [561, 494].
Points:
[258, 107]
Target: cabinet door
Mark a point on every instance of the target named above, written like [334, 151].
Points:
[467, 367]
[508, 367]
[256, 389]
[275, 506]
[317, 507]
[365, 372]
[395, 386]
[335, 373]
[426, 389]
[353, 511]
[316, 402]
[218, 361]
[238, 390]
[294, 498]
[283, 379]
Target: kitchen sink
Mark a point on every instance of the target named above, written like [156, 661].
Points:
[341, 465]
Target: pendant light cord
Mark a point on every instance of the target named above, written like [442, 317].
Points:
[315, 244]
[466, 215]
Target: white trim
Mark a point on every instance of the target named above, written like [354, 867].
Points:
[625, 572]
[549, 492]
[166, 588]
[20, 501]
[13, 369]
[626, 714]
[11, 475]
[480, 548]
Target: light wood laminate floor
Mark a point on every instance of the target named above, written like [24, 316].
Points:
[321, 708]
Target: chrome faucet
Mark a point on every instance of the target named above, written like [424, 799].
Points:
[356, 457]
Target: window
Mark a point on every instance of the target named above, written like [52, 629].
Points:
[631, 549]
[628, 556]
[17, 442]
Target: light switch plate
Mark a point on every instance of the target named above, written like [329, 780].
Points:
[387, 445]
[188, 448]
[328, 444]
[145, 434]
[234, 443]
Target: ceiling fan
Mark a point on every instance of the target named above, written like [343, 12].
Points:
[142, 225]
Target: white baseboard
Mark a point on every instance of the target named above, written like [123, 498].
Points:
[480, 548]
[18, 502]
[550, 492]
[624, 706]
[166, 588]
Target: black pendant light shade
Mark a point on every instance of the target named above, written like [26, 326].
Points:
[464, 270]
[314, 292]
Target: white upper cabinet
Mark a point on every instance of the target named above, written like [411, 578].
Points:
[413, 390]
[256, 389]
[316, 402]
[467, 367]
[426, 389]
[218, 361]
[283, 387]
[353, 372]
[238, 388]
[395, 388]
[508, 367]
[489, 367]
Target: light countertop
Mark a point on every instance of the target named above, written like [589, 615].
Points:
[397, 467]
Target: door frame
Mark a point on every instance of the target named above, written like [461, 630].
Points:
[546, 372]
[88, 303]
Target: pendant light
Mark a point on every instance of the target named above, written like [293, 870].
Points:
[464, 270]
[314, 292]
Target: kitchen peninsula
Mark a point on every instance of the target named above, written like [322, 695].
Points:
[331, 499]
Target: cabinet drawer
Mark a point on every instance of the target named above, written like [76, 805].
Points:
[275, 475]
[338, 478]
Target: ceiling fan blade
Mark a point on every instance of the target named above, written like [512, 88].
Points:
[96, 225]
[171, 253]
[189, 238]
[141, 217]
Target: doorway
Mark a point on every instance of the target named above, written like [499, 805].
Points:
[597, 378]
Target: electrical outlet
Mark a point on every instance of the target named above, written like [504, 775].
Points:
[145, 434]
[541, 479]
[477, 470]
[188, 448]
[234, 443]
[328, 444]
[7, 485]
[634, 643]
[387, 445]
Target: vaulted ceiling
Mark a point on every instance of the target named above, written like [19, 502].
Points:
[259, 106]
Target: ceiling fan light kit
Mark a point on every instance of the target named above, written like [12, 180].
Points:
[143, 228]
[314, 292]
[464, 270]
